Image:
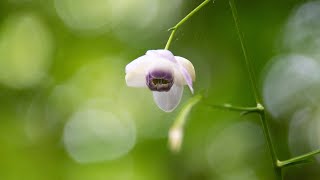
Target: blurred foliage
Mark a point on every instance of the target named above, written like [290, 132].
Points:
[66, 113]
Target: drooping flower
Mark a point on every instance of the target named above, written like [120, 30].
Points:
[164, 74]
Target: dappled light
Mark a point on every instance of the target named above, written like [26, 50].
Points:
[93, 135]
[302, 32]
[85, 15]
[26, 46]
[246, 138]
[159, 90]
[303, 134]
[292, 82]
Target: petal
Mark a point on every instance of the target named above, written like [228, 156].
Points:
[168, 101]
[162, 53]
[136, 71]
[136, 79]
[139, 64]
[161, 64]
[187, 70]
[187, 65]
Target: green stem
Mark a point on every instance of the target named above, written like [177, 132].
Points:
[237, 108]
[174, 28]
[269, 143]
[262, 116]
[244, 50]
[297, 160]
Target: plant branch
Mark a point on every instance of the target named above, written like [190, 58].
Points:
[244, 50]
[174, 28]
[262, 115]
[298, 160]
[243, 110]
[268, 138]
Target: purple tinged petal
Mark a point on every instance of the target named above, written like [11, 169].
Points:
[187, 65]
[187, 78]
[159, 80]
[187, 70]
[166, 54]
[162, 53]
[161, 74]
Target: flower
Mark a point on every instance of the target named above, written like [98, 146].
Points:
[164, 74]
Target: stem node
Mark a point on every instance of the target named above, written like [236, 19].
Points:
[172, 28]
[260, 107]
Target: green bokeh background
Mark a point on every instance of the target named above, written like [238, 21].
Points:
[72, 68]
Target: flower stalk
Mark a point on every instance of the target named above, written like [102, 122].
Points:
[176, 130]
[174, 28]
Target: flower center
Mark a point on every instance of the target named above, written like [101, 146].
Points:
[159, 80]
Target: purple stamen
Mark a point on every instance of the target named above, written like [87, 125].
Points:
[159, 80]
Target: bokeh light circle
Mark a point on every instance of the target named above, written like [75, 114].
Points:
[25, 50]
[93, 135]
[291, 83]
[233, 148]
[302, 31]
[83, 15]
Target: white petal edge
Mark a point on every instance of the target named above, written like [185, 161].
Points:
[168, 101]
[162, 53]
[136, 79]
[139, 65]
[187, 71]
[136, 71]
[187, 65]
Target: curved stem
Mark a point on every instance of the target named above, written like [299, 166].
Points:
[183, 114]
[176, 130]
[174, 28]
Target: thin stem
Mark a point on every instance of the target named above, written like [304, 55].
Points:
[262, 116]
[174, 28]
[269, 143]
[236, 108]
[244, 50]
[297, 160]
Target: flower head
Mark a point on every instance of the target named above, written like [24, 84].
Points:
[164, 74]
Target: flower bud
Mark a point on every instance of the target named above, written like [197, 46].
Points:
[175, 138]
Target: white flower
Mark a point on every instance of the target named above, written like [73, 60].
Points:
[164, 74]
